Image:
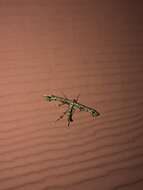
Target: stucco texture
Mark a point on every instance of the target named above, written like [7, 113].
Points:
[88, 47]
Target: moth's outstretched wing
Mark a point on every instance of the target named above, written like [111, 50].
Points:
[57, 98]
[82, 107]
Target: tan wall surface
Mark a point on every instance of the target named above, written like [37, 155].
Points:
[94, 48]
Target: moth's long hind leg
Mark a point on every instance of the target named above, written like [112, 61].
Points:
[62, 115]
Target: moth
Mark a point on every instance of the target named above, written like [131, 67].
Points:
[73, 105]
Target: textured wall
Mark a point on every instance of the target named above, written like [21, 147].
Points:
[94, 48]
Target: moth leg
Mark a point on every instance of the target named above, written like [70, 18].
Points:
[61, 104]
[62, 115]
[77, 97]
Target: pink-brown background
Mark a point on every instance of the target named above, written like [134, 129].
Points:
[90, 47]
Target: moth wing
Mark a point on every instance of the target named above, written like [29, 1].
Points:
[63, 101]
[82, 107]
